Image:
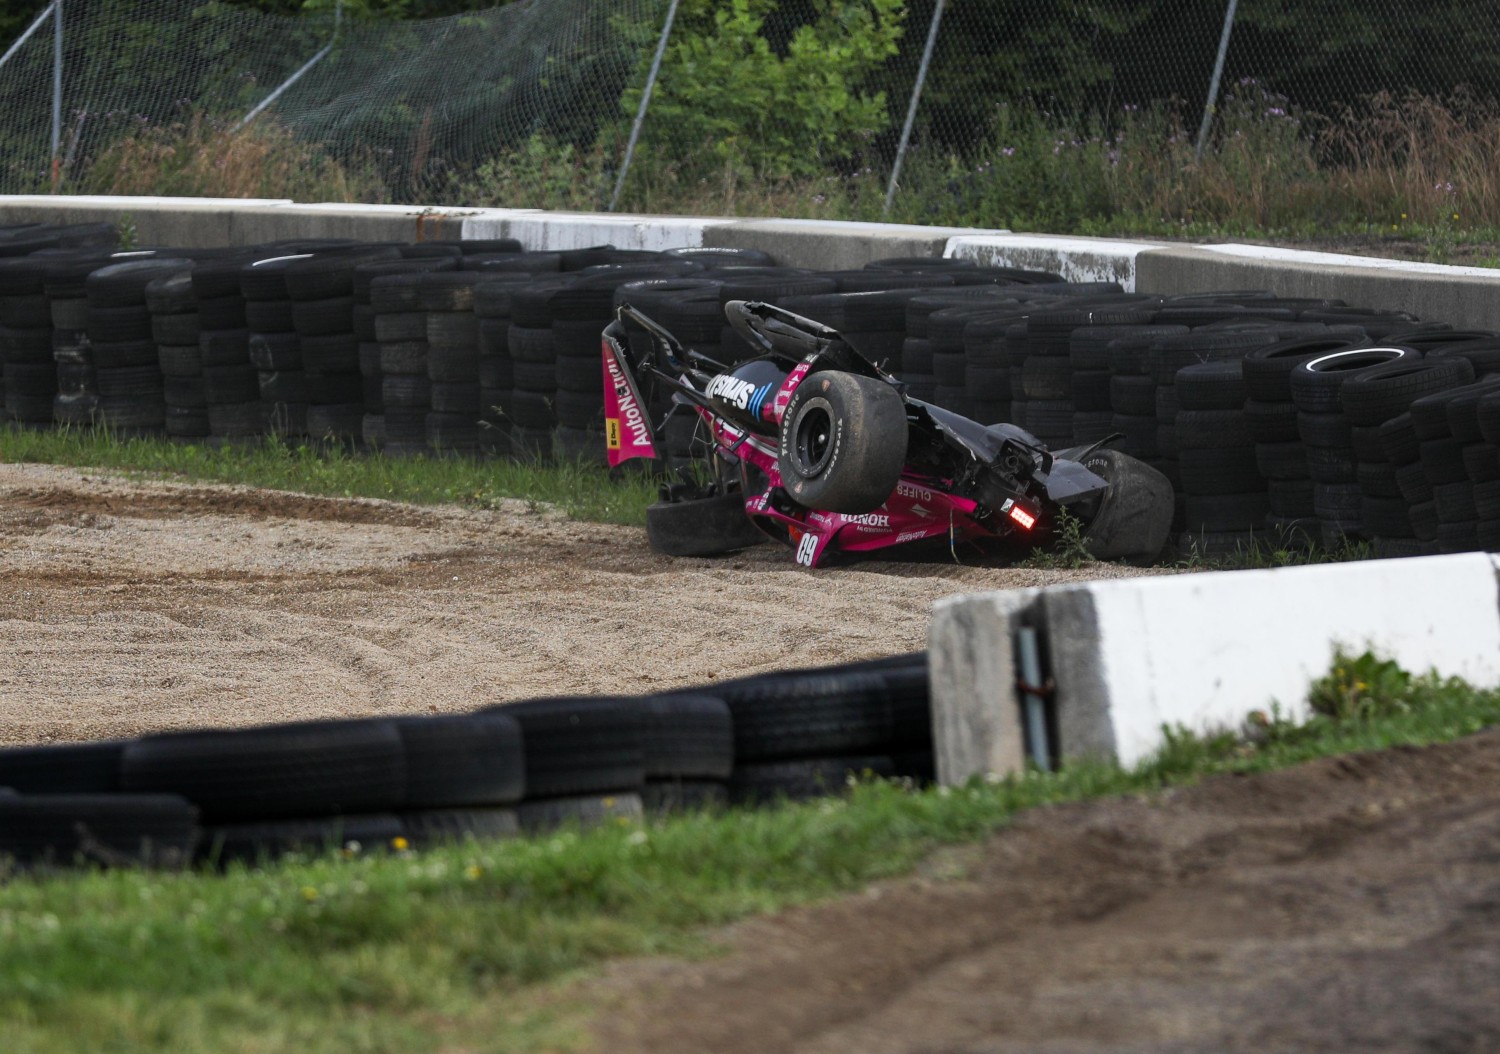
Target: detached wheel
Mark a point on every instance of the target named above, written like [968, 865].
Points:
[1136, 513]
[843, 442]
[701, 526]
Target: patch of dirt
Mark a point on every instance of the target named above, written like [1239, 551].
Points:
[128, 607]
[1347, 904]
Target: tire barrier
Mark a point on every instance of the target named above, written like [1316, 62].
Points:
[252, 794]
[483, 349]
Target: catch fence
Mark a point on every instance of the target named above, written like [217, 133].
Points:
[538, 103]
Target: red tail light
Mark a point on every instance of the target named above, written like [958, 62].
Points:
[1022, 517]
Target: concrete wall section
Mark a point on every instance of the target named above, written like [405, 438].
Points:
[184, 222]
[1201, 651]
[1205, 650]
[1464, 297]
[209, 222]
[829, 245]
[1076, 259]
[581, 230]
[976, 717]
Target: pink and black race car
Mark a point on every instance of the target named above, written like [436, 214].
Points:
[815, 446]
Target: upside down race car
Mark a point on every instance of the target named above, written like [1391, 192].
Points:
[813, 445]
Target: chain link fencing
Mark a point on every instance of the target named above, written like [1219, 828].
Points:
[1023, 112]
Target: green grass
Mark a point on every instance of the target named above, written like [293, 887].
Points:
[464, 947]
[584, 492]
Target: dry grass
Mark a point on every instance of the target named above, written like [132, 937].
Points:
[199, 157]
[1424, 159]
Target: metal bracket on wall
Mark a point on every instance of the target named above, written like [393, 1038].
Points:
[1035, 689]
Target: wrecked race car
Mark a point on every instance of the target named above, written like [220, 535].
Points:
[813, 445]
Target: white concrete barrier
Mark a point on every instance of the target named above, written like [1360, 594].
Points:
[1076, 259]
[1201, 651]
[556, 231]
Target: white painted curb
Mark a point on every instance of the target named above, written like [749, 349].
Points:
[1203, 651]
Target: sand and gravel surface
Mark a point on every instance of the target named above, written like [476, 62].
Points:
[130, 606]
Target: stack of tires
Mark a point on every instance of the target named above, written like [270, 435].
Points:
[447, 297]
[1327, 436]
[1271, 418]
[1132, 390]
[533, 354]
[127, 369]
[1167, 356]
[1445, 424]
[1225, 499]
[497, 378]
[220, 309]
[175, 328]
[1484, 467]
[321, 290]
[803, 734]
[28, 374]
[401, 331]
[579, 311]
[273, 348]
[1047, 369]
[1371, 399]
[76, 403]
[372, 378]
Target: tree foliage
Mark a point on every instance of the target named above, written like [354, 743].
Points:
[774, 112]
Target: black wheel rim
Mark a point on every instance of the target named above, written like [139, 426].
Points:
[812, 439]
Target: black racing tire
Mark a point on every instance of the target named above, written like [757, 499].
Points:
[701, 527]
[843, 442]
[1317, 382]
[269, 316]
[401, 325]
[688, 736]
[1212, 386]
[1223, 513]
[1231, 471]
[175, 329]
[1281, 460]
[1135, 517]
[1272, 422]
[306, 769]
[1132, 395]
[580, 745]
[68, 768]
[1375, 396]
[817, 713]
[464, 759]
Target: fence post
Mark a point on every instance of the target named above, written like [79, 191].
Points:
[338, 21]
[1213, 86]
[640, 113]
[57, 88]
[24, 37]
[911, 109]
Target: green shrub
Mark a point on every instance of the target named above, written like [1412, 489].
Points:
[727, 96]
